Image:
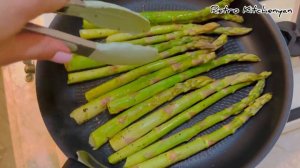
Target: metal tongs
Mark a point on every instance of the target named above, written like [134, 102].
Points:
[107, 15]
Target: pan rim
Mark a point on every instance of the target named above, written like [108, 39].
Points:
[272, 26]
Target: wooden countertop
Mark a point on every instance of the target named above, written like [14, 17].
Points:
[32, 144]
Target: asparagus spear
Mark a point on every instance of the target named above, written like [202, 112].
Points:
[185, 135]
[185, 47]
[82, 76]
[182, 17]
[177, 42]
[81, 63]
[129, 116]
[95, 107]
[96, 33]
[134, 74]
[228, 17]
[231, 31]
[155, 30]
[190, 31]
[155, 134]
[184, 151]
[158, 117]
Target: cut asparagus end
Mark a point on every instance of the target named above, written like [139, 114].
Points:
[95, 143]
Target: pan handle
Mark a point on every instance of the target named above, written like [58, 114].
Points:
[291, 33]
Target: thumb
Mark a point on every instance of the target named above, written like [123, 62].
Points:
[27, 45]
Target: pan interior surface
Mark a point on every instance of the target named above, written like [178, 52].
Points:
[244, 149]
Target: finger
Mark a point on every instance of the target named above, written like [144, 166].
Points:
[40, 7]
[14, 14]
[27, 45]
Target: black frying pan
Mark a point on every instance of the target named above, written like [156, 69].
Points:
[244, 149]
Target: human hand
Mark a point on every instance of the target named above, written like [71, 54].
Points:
[17, 44]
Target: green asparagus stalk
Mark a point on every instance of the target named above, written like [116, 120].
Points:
[186, 47]
[95, 107]
[231, 31]
[155, 30]
[158, 117]
[116, 106]
[136, 73]
[177, 42]
[184, 151]
[78, 63]
[82, 76]
[228, 17]
[190, 31]
[185, 135]
[166, 17]
[129, 116]
[157, 133]
[96, 33]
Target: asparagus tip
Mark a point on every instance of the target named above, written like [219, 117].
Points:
[268, 96]
[250, 57]
[75, 117]
[265, 74]
[240, 19]
[248, 30]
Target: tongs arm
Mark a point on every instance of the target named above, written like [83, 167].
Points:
[76, 44]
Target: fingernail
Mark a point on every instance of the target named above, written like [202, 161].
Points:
[61, 57]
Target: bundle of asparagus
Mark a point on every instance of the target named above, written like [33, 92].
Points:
[94, 107]
[102, 134]
[186, 50]
[182, 136]
[165, 128]
[140, 128]
[187, 150]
